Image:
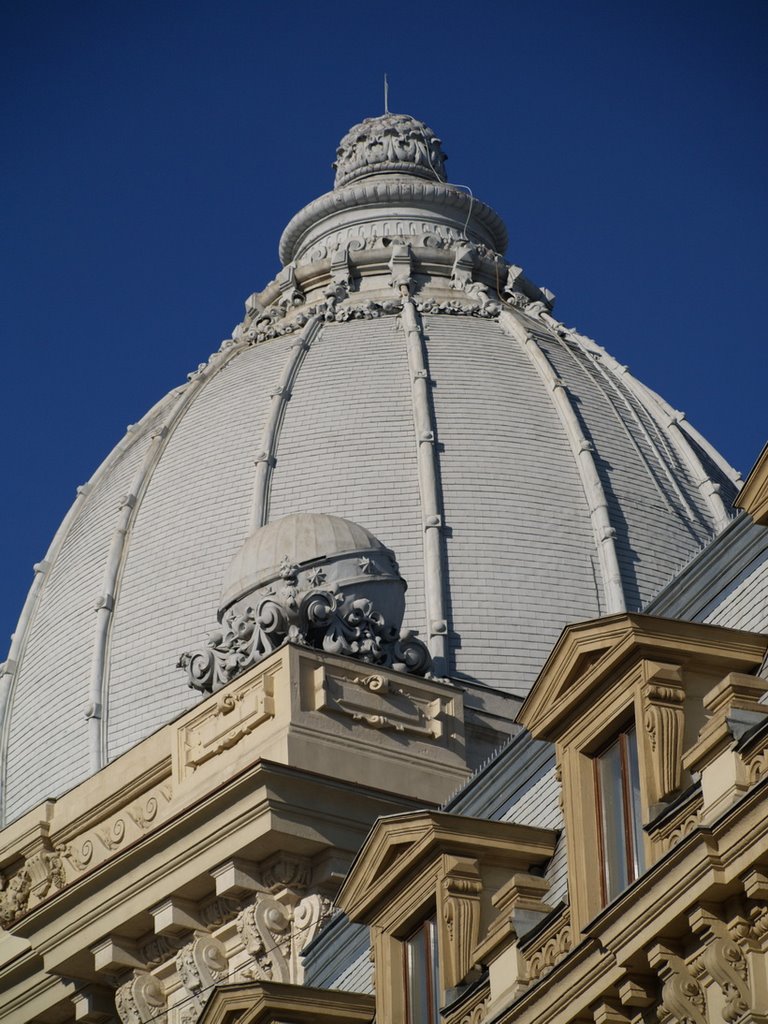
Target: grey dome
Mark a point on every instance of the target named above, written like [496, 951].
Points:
[399, 373]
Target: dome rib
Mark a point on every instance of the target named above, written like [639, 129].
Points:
[42, 569]
[602, 529]
[97, 711]
[267, 454]
[669, 422]
[608, 387]
[431, 500]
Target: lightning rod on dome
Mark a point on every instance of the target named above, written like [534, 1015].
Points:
[386, 94]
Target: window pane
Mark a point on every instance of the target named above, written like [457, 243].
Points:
[417, 985]
[612, 821]
[633, 802]
[422, 986]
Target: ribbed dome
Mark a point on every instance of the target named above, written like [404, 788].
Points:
[398, 372]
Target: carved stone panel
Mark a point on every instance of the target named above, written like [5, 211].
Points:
[381, 703]
[224, 721]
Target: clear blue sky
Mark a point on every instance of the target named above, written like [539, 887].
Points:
[153, 151]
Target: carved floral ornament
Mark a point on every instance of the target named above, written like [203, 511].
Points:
[349, 605]
[390, 143]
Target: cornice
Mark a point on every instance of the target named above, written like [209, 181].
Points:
[377, 194]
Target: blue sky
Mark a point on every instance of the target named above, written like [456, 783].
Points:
[153, 151]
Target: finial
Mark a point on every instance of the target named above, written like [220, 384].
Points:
[386, 94]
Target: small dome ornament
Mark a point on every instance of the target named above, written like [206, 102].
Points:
[390, 144]
[312, 579]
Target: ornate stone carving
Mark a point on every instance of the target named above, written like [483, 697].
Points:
[334, 620]
[459, 910]
[663, 721]
[682, 998]
[112, 835]
[223, 723]
[386, 144]
[103, 839]
[200, 965]
[286, 872]
[554, 944]
[724, 961]
[78, 856]
[141, 1000]
[382, 704]
[42, 872]
[275, 934]
[477, 1014]
[156, 950]
[14, 897]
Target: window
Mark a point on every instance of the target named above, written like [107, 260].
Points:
[617, 785]
[420, 966]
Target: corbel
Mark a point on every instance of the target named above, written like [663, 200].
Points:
[682, 998]
[116, 954]
[463, 266]
[401, 268]
[458, 913]
[723, 960]
[141, 999]
[341, 269]
[290, 293]
[662, 696]
[637, 991]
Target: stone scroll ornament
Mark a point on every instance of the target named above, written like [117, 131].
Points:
[306, 605]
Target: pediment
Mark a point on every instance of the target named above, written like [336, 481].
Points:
[753, 497]
[589, 653]
[403, 850]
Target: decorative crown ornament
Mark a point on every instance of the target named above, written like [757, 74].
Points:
[389, 144]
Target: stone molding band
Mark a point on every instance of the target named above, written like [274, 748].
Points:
[388, 194]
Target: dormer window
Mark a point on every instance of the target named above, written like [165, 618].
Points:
[617, 787]
[422, 979]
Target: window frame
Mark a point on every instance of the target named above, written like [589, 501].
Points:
[426, 928]
[630, 831]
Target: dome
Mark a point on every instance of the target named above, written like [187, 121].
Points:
[398, 372]
[303, 540]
